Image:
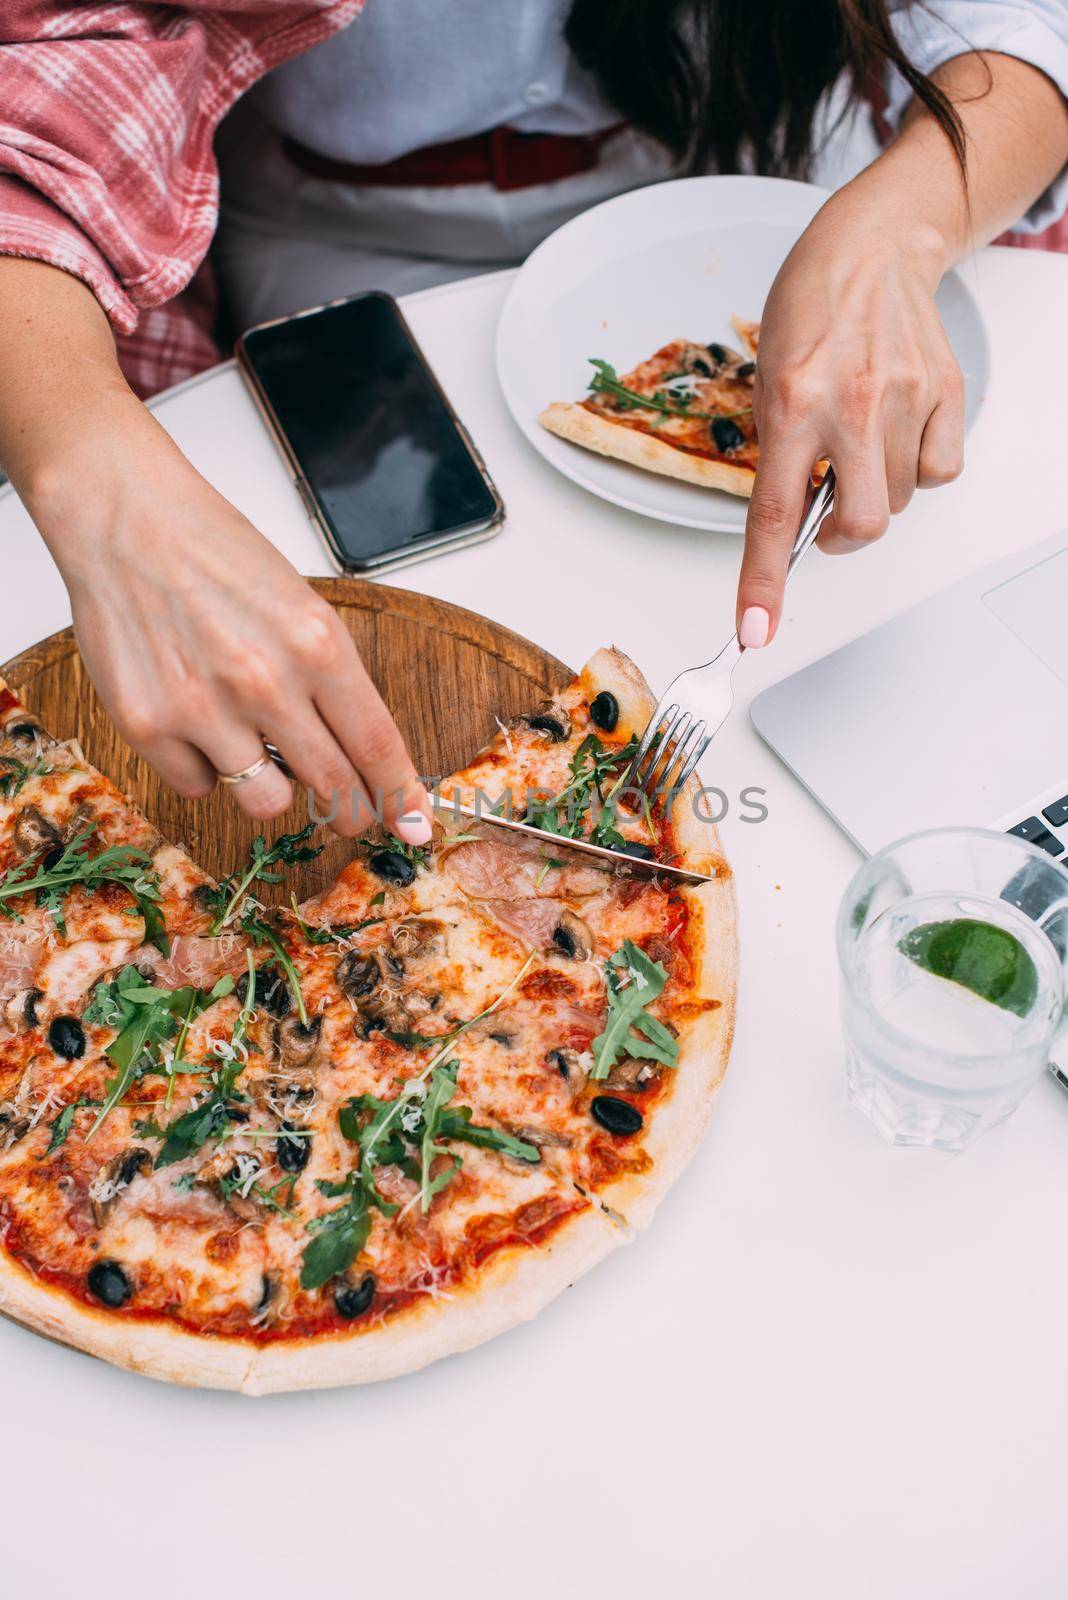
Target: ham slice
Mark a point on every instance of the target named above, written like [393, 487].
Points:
[200, 962]
[532, 921]
[517, 869]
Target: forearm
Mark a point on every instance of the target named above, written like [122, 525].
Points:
[1015, 122]
[69, 423]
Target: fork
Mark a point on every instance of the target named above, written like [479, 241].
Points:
[698, 701]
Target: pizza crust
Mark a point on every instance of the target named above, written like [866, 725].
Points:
[594, 432]
[514, 1287]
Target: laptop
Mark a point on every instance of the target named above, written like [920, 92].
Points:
[954, 713]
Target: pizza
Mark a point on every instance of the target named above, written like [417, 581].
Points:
[686, 413]
[268, 1148]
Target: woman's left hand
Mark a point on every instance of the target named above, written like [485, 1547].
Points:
[854, 365]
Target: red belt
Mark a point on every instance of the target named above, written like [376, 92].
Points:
[503, 157]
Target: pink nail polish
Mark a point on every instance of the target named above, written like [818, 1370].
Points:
[753, 631]
[413, 828]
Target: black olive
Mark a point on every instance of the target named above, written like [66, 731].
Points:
[547, 722]
[564, 939]
[746, 370]
[271, 992]
[618, 1116]
[51, 857]
[352, 1300]
[67, 1037]
[604, 711]
[702, 367]
[726, 434]
[109, 1283]
[267, 1292]
[504, 1039]
[635, 848]
[356, 974]
[291, 1152]
[234, 1113]
[23, 730]
[392, 867]
[29, 1008]
[718, 354]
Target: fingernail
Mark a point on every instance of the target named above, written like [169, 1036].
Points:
[754, 627]
[413, 828]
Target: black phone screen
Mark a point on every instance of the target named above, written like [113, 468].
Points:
[370, 430]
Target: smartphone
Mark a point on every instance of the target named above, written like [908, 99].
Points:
[386, 470]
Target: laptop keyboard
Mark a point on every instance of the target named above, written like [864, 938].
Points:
[1048, 828]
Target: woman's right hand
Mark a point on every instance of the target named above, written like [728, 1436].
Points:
[200, 637]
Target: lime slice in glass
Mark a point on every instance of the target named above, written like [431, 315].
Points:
[980, 956]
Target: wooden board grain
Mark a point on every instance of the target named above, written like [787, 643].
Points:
[445, 673]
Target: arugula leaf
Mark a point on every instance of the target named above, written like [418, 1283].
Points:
[607, 381]
[63, 1124]
[339, 1235]
[459, 1126]
[263, 858]
[118, 863]
[440, 1090]
[17, 772]
[145, 1018]
[633, 981]
[408, 1132]
[206, 1120]
[591, 766]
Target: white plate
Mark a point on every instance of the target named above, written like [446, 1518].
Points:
[671, 261]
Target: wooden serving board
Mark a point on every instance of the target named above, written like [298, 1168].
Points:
[444, 672]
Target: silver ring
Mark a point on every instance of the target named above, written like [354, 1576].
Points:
[246, 772]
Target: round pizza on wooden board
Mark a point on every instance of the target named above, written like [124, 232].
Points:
[323, 1143]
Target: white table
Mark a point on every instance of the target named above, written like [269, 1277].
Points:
[831, 1369]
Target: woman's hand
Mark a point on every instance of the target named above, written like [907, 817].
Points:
[854, 365]
[203, 642]
[201, 639]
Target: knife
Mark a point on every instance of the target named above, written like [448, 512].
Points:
[618, 860]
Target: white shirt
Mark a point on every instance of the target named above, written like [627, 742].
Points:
[409, 73]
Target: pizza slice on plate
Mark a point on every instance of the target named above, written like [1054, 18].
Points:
[686, 412]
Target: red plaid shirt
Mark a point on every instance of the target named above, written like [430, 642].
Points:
[106, 166]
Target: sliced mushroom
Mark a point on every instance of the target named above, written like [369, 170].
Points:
[25, 734]
[572, 937]
[13, 1127]
[21, 1009]
[223, 1165]
[284, 1097]
[295, 1045]
[418, 937]
[119, 1173]
[34, 832]
[570, 1066]
[630, 1074]
[357, 974]
[551, 720]
[544, 1138]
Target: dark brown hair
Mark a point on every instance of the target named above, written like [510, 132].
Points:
[719, 80]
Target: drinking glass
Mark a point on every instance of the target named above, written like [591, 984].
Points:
[952, 952]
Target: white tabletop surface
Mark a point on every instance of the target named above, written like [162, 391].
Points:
[831, 1368]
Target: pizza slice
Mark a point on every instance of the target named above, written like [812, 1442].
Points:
[686, 412]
